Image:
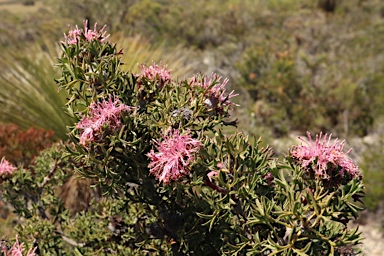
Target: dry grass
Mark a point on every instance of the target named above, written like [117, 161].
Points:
[137, 50]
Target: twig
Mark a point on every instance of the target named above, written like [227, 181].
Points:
[69, 240]
[215, 187]
[49, 176]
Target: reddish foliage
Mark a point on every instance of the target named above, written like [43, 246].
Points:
[21, 146]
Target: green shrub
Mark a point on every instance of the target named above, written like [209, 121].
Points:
[171, 181]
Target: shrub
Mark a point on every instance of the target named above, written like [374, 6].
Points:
[172, 181]
[21, 146]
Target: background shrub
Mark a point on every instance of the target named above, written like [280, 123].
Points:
[21, 146]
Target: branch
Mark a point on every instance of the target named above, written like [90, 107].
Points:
[215, 187]
[50, 174]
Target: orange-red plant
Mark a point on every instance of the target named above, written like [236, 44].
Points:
[21, 146]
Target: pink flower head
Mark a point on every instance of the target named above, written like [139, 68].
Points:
[221, 165]
[212, 174]
[98, 34]
[215, 92]
[324, 157]
[6, 168]
[104, 114]
[175, 155]
[269, 178]
[74, 35]
[17, 250]
[154, 72]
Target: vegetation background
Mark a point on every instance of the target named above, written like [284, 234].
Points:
[298, 65]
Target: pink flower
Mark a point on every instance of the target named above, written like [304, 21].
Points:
[6, 168]
[175, 155]
[215, 92]
[157, 73]
[102, 115]
[212, 174]
[17, 250]
[98, 34]
[74, 35]
[324, 157]
[221, 165]
[269, 178]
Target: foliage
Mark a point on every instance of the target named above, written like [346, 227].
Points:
[111, 13]
[21, 146]
[28, 28]
[299, 60]
[283, 101]
[172, 181]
